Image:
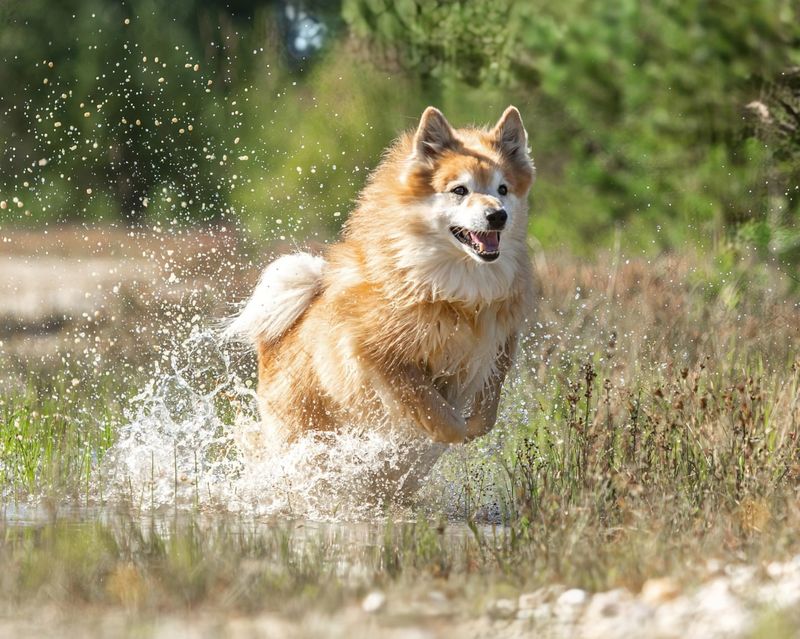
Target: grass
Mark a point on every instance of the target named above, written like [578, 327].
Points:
[50, 448]
[652, 425]
[182, 564]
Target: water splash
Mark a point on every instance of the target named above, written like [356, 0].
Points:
[192, 438]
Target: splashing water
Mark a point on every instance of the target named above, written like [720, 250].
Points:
[192, 438]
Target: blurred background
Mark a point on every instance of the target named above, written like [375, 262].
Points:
[653, 125]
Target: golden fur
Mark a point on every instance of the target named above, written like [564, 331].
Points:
[402, 324]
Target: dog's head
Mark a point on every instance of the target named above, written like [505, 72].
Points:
[448, 208]
[471, 184]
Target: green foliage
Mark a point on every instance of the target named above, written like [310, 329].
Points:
[651, 97]
[442, 41]
[48, 451]
[104, 108]
[640, 115]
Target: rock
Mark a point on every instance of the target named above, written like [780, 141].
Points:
[783, 591]
[775, 569]
[608, 604]
[717, 612]
[373, 602]
[658, 590]
[572, 597]
[616, 614]
[540, 614]
[547, 594]
[569, 605]
[716, 597]
[502, 609]
[740, 577]
[671, 618]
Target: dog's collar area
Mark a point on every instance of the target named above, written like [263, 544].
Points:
[484, 244]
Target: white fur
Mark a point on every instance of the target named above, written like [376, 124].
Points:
[442, 264]
[470, 212]
[285, 290]
[450, 274]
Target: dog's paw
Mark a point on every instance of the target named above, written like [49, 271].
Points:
[447, 427]
[449, 435]
[477, 425]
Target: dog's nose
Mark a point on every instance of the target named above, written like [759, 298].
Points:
[496, 218]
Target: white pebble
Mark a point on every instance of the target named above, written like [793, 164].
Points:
[373, 602]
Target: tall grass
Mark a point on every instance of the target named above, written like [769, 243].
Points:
[52, 443]
[652, 425]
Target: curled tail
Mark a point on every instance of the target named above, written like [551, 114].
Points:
[285, 290]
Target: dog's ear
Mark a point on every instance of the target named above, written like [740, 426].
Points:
[510, 136]
[434, 135]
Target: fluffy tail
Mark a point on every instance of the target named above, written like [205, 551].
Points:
[286, 288]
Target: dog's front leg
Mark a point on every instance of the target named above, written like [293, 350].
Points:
[487, 399]
[409, 395]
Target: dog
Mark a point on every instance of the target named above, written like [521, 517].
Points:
[412, 319]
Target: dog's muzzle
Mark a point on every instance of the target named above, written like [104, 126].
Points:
[485, 244]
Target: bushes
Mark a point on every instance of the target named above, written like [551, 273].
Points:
[638, 114]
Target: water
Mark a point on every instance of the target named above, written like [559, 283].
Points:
[192, 439]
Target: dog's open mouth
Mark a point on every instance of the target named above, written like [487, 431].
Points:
[485, 244]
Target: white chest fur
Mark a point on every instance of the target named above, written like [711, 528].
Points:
[463, 353]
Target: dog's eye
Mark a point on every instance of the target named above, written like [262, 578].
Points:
[461, 191]
[502, 189]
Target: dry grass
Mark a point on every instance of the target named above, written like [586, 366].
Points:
[653, 425]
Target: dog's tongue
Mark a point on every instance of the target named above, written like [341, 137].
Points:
[488, 241]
